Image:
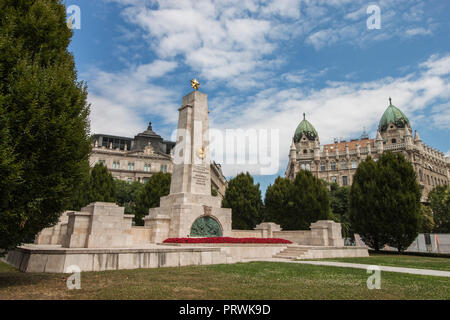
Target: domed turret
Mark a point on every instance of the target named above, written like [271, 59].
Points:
[305, 128]
[393, 115]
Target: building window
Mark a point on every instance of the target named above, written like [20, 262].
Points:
[354, 164]
[394, 140]
[343, 165]
[305, 151]
[420, 175]
[129, 180]
[333, 166]
[333, 179]
[103, 162]
[308, 167]
[145, 180]
[116, 165]
[131, 166]
[344, 181]
[147, 167]
[164, 168]
[323, 167]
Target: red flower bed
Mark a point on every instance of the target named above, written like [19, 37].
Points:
[226, 240]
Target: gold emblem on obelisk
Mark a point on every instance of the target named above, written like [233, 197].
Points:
[201, 153]
[195, 84]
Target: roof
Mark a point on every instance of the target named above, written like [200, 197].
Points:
[393, 115]
[305, 128]
[351, 145]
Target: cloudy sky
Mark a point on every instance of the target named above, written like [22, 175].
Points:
[265, 63]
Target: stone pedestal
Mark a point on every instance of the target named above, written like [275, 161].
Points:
[99, 225]
[326, 233]
[55, 234]
[189, 209]
[267, 229]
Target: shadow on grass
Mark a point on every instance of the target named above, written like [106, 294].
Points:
[12, 277]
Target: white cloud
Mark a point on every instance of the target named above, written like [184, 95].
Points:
[225, 40]
[440, 116]
[118, 98]
[417, 31]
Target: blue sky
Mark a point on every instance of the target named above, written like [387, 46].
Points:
[263, 64]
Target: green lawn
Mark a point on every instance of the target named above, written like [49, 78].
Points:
[256, 280]
[400, 261]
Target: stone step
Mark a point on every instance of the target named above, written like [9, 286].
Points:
[292, 253]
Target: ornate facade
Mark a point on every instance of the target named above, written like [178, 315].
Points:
[138, 158]
[338, 162]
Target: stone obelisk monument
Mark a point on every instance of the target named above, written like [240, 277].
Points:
[190, 210]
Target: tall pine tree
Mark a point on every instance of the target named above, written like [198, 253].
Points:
[278, 202]
[156, 187]
[44, 119]
[244, 198]
[385, 202]
[311, 203]
[102, 185]
[365, 217]
[399, 199]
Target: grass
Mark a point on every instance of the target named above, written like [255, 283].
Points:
[400, 261]
[256, 280]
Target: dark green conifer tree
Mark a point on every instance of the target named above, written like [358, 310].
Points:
[156, 187]
[365, 217]
[278, 202]
[399, 199]
[244, 198]
[102, 185]
[385, 202]
[311, 203]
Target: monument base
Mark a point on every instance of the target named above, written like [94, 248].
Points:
[180, 215]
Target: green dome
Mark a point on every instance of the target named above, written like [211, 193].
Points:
[305, 128]
[394, 115]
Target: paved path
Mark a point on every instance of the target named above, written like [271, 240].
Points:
[424, 272]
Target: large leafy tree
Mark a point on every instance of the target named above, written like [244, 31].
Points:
[157, 186]
[44, 119]
[439, 199]
[244, 198]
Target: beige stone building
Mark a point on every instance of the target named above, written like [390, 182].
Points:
[337, 162]
[138, 158]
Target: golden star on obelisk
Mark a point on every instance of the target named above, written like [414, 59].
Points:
[195, 84]
[201, 153]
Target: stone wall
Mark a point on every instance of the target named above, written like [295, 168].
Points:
[322, 233]
[302, 237]
[246, 233]
[58, 261]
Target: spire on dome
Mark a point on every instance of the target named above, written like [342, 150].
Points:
[305, 128]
